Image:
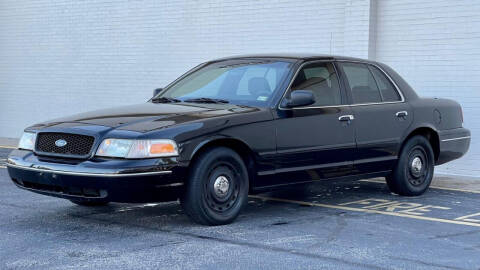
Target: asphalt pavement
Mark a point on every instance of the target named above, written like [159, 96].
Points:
[327, 225]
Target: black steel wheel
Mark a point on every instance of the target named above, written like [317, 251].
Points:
[416, 169]
[217, 187]
[413, 172]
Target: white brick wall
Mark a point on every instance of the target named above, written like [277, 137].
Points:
[67, 56]
[357, 28]
[64, 57]
[435, 46]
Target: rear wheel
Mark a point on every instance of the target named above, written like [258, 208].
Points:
[89, 203]
[414, 170]
[217, 187]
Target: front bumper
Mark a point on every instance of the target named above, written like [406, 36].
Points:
[115, 180]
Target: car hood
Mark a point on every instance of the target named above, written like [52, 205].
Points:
[145, 117]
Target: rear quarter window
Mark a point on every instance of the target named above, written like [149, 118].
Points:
[387, 89]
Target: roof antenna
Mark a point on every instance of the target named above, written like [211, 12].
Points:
[331, 40]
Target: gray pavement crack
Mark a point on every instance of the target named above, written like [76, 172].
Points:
[454, 234]
[429, 264]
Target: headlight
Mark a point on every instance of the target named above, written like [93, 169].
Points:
[27, 142]
[114, 148]
[137, 148]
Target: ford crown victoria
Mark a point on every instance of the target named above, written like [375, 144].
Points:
[245, 124]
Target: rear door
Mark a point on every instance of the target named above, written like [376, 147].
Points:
[315, 141]
[381, 116]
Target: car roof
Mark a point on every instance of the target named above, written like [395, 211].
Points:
[293, 56]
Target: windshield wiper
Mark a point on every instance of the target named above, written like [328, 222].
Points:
[165, 100]
[207, 100]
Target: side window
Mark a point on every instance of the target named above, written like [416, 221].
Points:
[361, 82]
[388, 91]
[321, 79]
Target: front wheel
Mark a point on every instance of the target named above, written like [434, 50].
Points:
[217, 188]
[413, 172]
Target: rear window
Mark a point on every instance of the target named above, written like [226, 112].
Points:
[368, 84]
[361, 83]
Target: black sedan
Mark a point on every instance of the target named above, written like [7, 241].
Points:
[245, 124]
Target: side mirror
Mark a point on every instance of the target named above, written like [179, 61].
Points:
[299, 98]
[156, 91]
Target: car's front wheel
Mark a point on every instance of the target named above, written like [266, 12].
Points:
[413, 172]
[217, 188]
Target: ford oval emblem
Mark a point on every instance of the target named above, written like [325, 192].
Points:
[60, 143]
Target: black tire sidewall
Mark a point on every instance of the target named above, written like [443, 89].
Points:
[194, 200]
[400, 175]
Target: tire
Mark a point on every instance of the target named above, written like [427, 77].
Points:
[413, 172]
[89, 203]
[391, 186]
[217, 187]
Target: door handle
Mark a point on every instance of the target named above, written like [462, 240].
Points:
[348, 117]
[401, 114]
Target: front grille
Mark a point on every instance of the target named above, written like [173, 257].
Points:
[76, 145]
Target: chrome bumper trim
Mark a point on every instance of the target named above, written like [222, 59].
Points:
[171, 185]
[455, 139]
[87, 174]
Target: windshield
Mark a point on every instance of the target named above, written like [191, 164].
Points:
[245, 82]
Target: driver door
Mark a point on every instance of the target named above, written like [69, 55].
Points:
[316, 141]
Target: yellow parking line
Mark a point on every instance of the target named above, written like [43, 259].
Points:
[3, 167]
[455, 189]
[432, 186]
[8, 147]
[458, 222]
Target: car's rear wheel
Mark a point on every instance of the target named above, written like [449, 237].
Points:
[413, 172]
[89, 203]
[217, 188]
